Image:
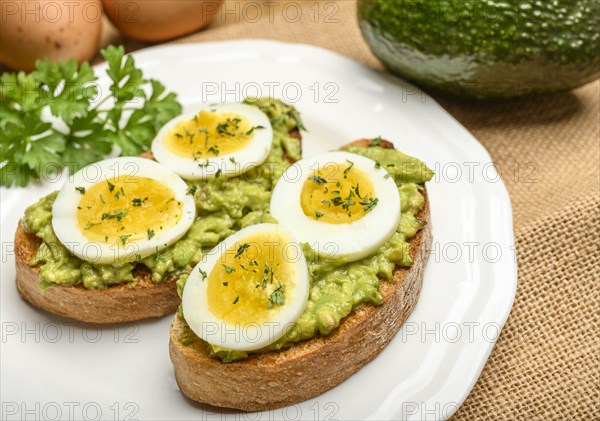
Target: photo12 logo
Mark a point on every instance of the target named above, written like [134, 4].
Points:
[55, 332]
[313, 411]
[50, 11]
[291, 12]
[326, 92]
[69, 411]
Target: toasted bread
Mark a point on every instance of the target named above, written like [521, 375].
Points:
[116, 304]
[275, 379]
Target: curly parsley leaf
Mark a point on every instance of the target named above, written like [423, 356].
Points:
[49, 119]
[67, 87]
[127, 79]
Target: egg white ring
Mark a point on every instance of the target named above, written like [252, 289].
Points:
[349, 241]
[203, 168]
[236, 337]
[64, 210]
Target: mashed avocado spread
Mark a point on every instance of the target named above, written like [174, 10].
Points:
[224, 206]
[339, 287]
[227, 205]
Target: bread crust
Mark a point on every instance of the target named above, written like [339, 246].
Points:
[307, 369]
[115, 304]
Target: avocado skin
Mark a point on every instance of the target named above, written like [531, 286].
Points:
[486, 49]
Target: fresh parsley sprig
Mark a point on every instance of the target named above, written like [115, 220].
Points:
[49, 119]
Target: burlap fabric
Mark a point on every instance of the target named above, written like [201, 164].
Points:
[546, 362]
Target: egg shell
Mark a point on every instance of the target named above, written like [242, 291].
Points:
[160, 20]
[60, 30]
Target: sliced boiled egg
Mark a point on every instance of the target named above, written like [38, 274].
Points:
[218, 140]
[345, 206]
[249, 290]
[122, 209]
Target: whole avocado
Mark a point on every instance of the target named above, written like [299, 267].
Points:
[486, 49]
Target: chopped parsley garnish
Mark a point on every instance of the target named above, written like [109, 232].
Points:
[218, 174]
[266, 276]
[111, 186]
[232, 160]
[214, 150]
[229, 128]
[228, 269]
[225, 284]
[202, 273]
[118, 215]
[319, 214]
[90, 225]
[388, 175]
[236, 299]
[124, 238]
[249, 132]
[347, 170]
[150, 233]
[192, 190]
[369, 204]
[377, 165]
[189, 135]
[319, 180]
[376, 141]
[277, 297]
[349, 202]
[139, 202]
[241, 249]
[337, 201]
[80, 189]
[119, 193]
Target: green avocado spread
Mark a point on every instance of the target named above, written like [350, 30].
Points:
[227, 205]
[223, 207]
[338, 287]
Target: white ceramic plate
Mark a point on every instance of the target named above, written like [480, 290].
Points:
[55, 369]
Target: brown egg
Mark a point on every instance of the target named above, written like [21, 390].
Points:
[59, 30]
[159, 20]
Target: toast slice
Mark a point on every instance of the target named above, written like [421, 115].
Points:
[116, 304]
[278, 378]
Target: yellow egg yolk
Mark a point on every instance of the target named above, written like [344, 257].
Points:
[252, 280]
[127, 208]
[337, 193]
[209, 134]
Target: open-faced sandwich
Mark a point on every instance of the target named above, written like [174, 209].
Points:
[280, 312]
[111, 244]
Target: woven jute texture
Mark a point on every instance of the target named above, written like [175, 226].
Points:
[545, 365]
